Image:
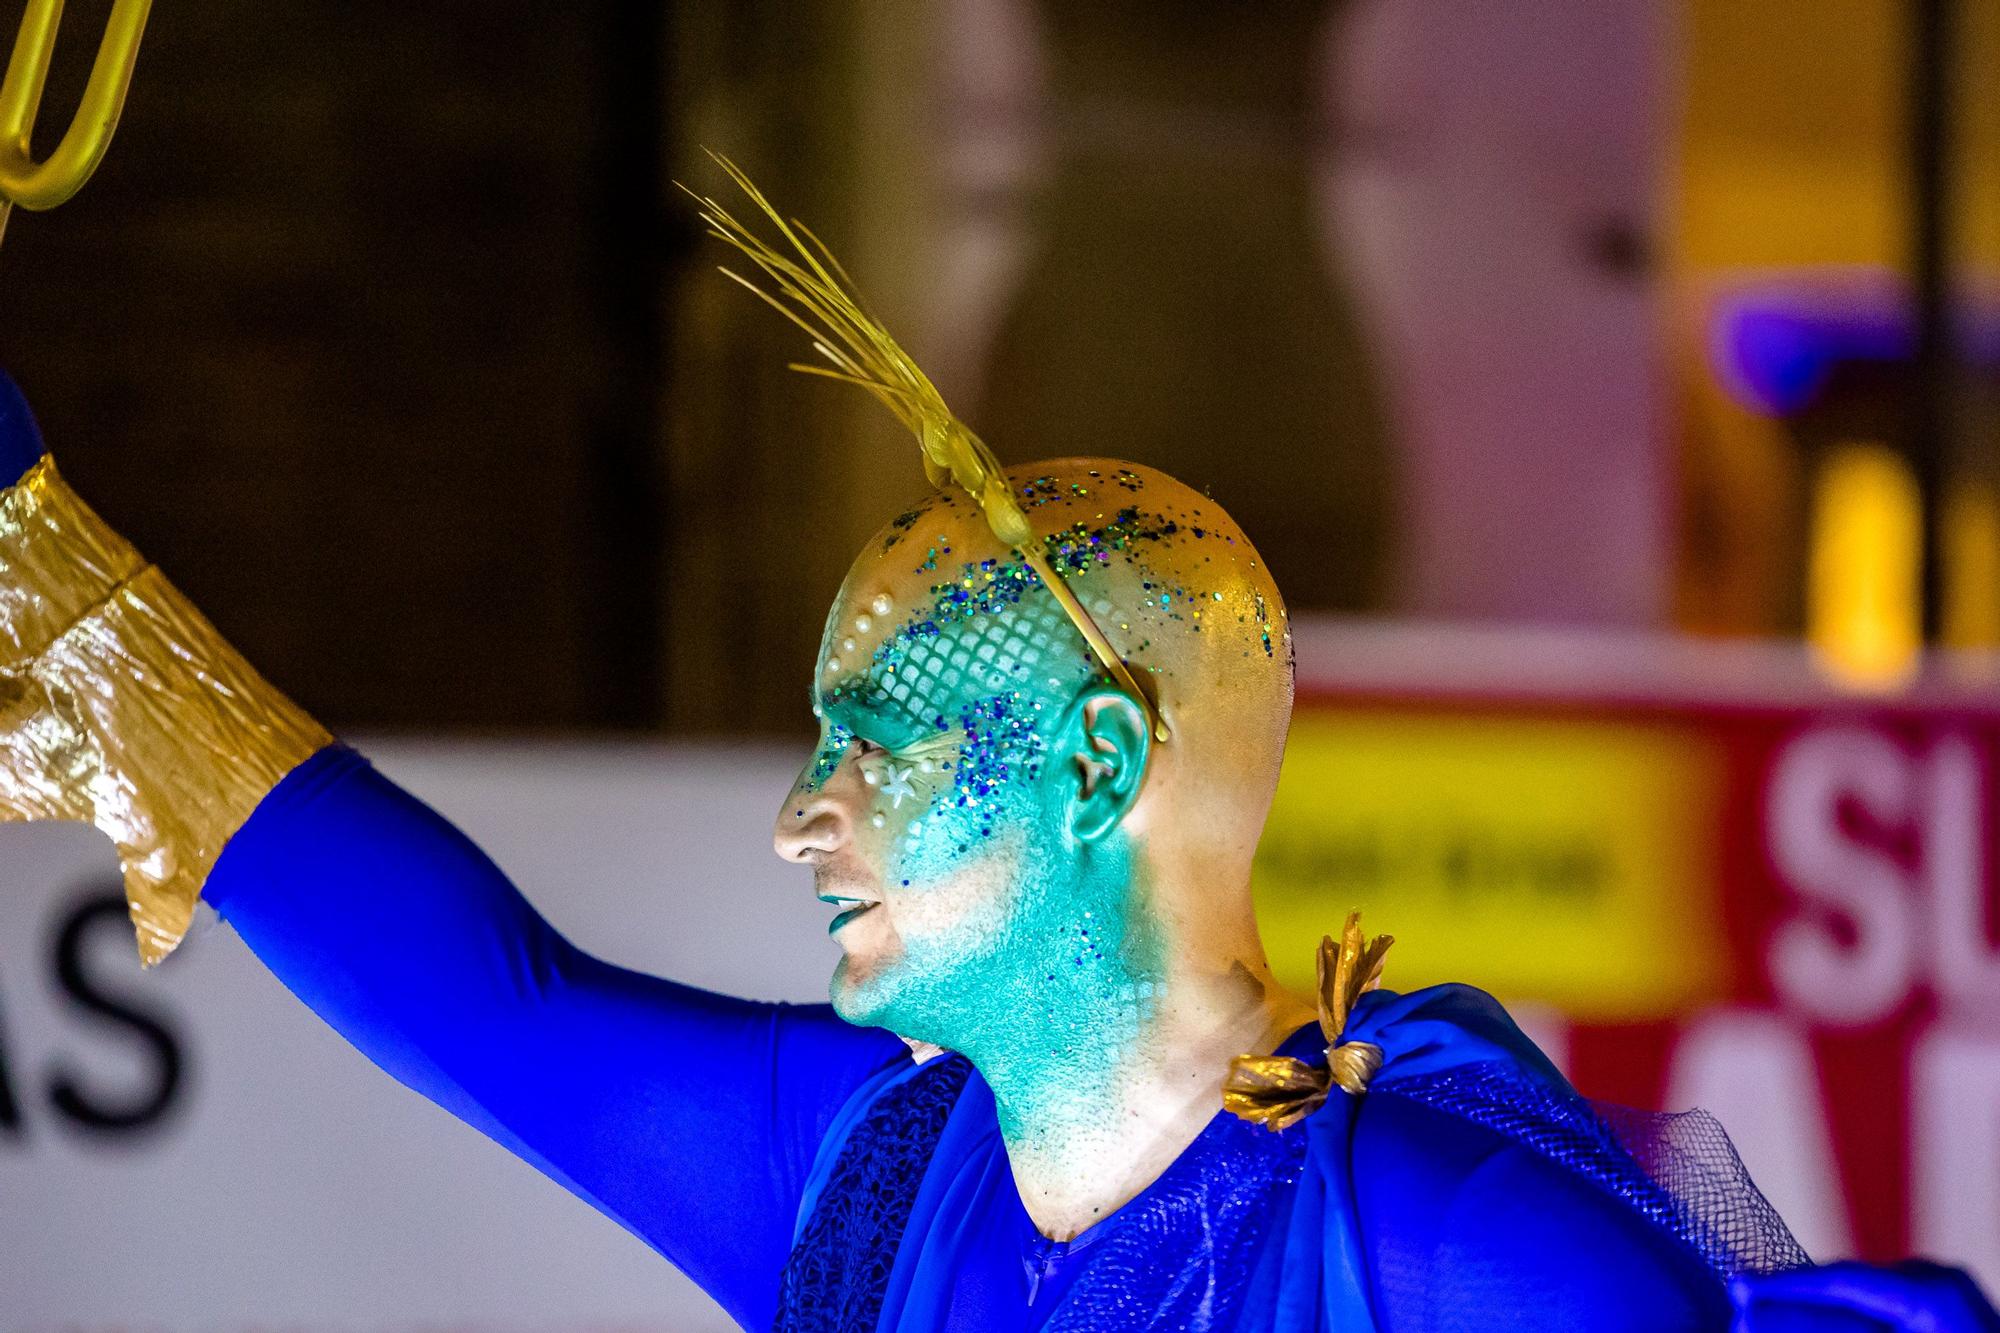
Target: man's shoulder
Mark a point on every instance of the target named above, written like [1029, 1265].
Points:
[1458, 1216]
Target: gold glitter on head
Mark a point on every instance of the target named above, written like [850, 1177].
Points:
[1179, 587]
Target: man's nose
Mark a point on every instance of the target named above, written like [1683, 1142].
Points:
[813, 824]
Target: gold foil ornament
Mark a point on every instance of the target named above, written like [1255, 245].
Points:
[120, 706]
[1278, 1091]
[814, 292]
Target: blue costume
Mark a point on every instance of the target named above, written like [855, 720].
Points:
[810, 1175]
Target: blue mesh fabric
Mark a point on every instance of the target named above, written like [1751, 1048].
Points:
[1716, 1207]
[838, 1271]
[1181, 1255]
[1190, 1252]
[1678, 1170]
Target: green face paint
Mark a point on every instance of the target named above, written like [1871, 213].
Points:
[961, 698]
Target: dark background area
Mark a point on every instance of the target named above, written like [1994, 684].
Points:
[358, 334]
[385, 332]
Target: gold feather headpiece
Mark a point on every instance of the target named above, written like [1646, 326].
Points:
[811, 289]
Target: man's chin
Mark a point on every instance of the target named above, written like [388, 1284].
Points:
[886, 998]
[858, 995]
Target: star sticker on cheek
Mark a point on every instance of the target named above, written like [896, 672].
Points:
[898, 784]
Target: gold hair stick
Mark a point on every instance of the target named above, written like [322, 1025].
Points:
[815, 293]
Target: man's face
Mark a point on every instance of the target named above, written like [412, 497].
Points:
[929, 811]
[983, 809]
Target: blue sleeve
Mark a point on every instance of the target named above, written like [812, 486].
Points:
[1466, 1230]
[688, 1117]
[20, 439]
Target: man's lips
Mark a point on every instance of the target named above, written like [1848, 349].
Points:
[843, 918]
[852, 906]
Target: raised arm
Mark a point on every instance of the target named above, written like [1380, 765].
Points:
[689, 1117]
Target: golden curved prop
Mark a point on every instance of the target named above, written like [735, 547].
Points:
[44, 184]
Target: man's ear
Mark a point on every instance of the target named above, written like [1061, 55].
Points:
[1110, 744]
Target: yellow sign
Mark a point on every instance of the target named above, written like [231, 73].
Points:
[1544, 859]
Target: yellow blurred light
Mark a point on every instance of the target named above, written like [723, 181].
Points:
[1863, 583]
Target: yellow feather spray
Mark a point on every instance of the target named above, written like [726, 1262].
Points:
[811, 289]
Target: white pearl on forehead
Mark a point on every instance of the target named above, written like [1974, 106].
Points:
[870, 776]
[880, 606]
[862, 624]
[847, 645]
[876, 820]
[832, 665]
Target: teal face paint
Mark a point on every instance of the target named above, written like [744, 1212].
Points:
[1008, 926]
[999, 929]
[959, 696]
[1061, 973]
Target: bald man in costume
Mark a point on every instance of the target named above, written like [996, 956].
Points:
[1012, 1114]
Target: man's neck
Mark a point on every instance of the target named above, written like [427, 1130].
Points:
[1086, 1134]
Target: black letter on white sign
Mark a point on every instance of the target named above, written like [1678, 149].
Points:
[149, 1103]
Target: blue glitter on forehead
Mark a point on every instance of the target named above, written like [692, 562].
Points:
[1046, 490]
[982, 589]
[1080, 546]
[993, 627]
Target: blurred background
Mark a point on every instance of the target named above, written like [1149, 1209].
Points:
[1612, 385]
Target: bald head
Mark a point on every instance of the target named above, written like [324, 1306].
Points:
[938, 626]
[1012, 849]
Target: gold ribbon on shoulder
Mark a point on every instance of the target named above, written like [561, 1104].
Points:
[1277, 1091]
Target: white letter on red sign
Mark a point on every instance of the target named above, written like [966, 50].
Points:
[1954, 859]
[1838, 981]
[1754, 1072]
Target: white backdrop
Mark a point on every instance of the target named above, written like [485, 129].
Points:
[288, 1183]
[285, 1183]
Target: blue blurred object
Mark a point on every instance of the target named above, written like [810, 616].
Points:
[1861, 1298]
[20, 439]
[1776, 345]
